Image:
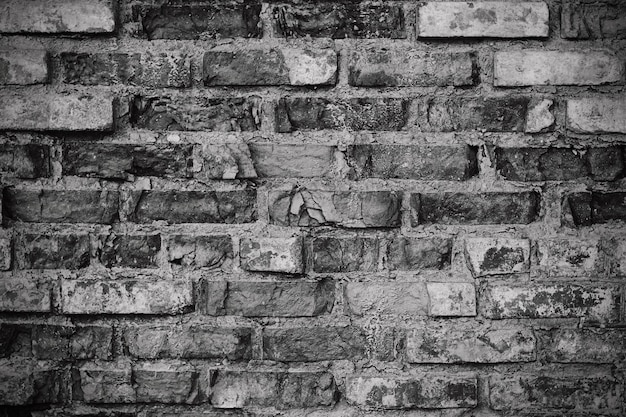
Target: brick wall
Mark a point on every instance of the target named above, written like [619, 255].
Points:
[312, 208]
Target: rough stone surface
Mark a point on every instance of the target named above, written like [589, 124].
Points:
[165, 383]
[488, 256]
[483, 19]
[540, 117]
[397, 298]
[597, 115]
[292, 161]
[597, 207]
[451, 299]
[407, 253]
[6, 253]
[395, 392]
[72, 342]
[567, 257]
[272, 255]
[330, 254]
[25, 294]
[286, 66]
[106, 382]
[214, 252]
[409, 67]
[135, 251]
[226, 161]
[125, 296]
[25, 161]
[343, 208]
[583, 345]
[44, 251]
[23, 67]
[24, 383]
[580, 20]
[445, 345]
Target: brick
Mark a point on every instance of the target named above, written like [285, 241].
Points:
[483, 19]
[125, 296]
[560, 164]
[397, 298]
[568, 257]
[583, 345]
[47, 251]
[544, 393]
[63, 16]
[446, 345]
[215, 252]
[283, 390]
[597, 207]
[165, 383]
[597, 115]
[6, 253]
[284, 66]
[453, 163]
[24, 382]
[271, 299]
[72, 342]
[310, 344]
[537, 67]
[539, 117]
[593, 21]
[615, 256]
[179, 21]
[594, 303]
[134, 251]
[25, 161]
[25, 294]
[451, 299]
[409, 67]
[105, 383]
[196, 206]
[123, 161]
[228, 161]
[56, 112]
[24, 66]
[398, 392]
[338, 20]
[60, 206]
[163, 69]
[272, 255]
[477, 208]
[350, 254]
[409, 253]
[342, 208]
[314, 113]
[193, 341]
[189, 113]
[292, 161]
[490, 256]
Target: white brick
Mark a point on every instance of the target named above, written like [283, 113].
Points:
[597, 115]
[24, 66]
[451, 299]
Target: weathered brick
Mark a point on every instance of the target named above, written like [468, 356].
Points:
[60, 206]
[483, 19]
[122, 161]
[597, 115]
[237, 389]
[596, 207]
[181, 21]
[24, 66]
[72, 342]
[326, 343]
[560, 164]
[135, 251]
[593, 21]
[284, 66]
[539, 117]
[196, 206]
[194, 341]
[538, 67]
[398, 392]
[349, 254]
[105, 382]
[23, 382]
[195, 113]
[489, 256]
[201, 251]
[338, 20]
[343, 208]
[545, 392]
[452, 163]
[165, 383]
[409, 67]
[125, 296]
[414, 253]
[6, 253]
[583, 345]
[272, 255]
[52, 111]
[25, 161]
[48, 251]
[25, 294]
[294, 161]
[272, 299]
[314, 113]
[401, 298]
[451, 299]
[614, 262]
[227, 161]
[567, 257]
[446, 345]
[163, 69]
[62, 16]
[477, 208]
[595, 303]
